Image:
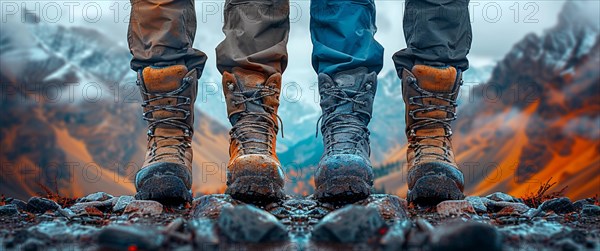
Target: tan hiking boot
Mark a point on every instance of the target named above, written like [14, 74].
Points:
[168, 95]
[254, 173]
[430, 95]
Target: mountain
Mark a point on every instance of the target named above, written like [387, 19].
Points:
[538, 117]
[72, 117]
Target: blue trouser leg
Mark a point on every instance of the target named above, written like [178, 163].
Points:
[342, 33]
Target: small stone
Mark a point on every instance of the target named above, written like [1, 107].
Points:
[390, 207]
[204, 234]
[92, 211]
[21, 205]
[9, 210]
[128, 238]
[496, 206]
[455, 207]
[350, 224]
[144, 207]
[499, 196]
[210, 206]
[122, 203]
[559, 205]
[477, 204]
[590, 210]
[41, 205]
[567, 245]
[103, 206]
[246, 223]
[466, 236]
[98, 196]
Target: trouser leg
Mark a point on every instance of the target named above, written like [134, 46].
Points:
[437, 32]
[161, 32]
[256, 35]
[342, 34]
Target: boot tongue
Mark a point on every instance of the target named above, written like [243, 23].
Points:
[163, 79]
[436, 79]
[160, 80]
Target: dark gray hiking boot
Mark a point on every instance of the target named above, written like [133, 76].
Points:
[344, 173]
[168, 95]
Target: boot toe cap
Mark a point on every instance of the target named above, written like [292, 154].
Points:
[343, 165]
[256, 165]
[435, 169]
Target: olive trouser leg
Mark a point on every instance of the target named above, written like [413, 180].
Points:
[161, 32]
[437, 32]
[256, 35]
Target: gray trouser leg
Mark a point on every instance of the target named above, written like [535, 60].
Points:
[161, 32]
[256, 35]
[438, 32]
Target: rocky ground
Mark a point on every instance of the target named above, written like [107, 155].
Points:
[100, 221]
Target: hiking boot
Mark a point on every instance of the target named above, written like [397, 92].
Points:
[344, 174]
[430, 95]
[254, 174]
[168, 95]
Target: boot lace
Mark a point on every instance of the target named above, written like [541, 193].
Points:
[343, 123]
[171, 121]
[260, 123]
[427, 122]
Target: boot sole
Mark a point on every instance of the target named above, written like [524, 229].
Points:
[166, 189]
[343, 190]
[433, 189]
[255, 190]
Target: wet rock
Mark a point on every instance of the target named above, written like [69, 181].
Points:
[246, 223]
[121, 203]
[210, 206]
[9, 210]
[128, 238]
[351, 224]
[204, 234]
[496, 206]
[59, 231]
[580, 203]
[559, 205]
[477, 203]
[466, 236]
[499, 196]
[33, 245]
[455, 207]
[41, 205]
[567, 245]
[144, 207]
[390, 207]
[98, 196]
[396, 235]
[21, 205]
[590, 210]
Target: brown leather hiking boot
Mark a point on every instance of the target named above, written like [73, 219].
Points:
[168, 95]
[430, 95]
[254, 173]
[344, 174]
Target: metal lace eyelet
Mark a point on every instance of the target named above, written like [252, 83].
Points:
[230, 86]
[369, 86]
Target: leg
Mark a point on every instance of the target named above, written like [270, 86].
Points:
[252, 58]
[161, 34]
[437, 32]
[347, 58]
[438, 36]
